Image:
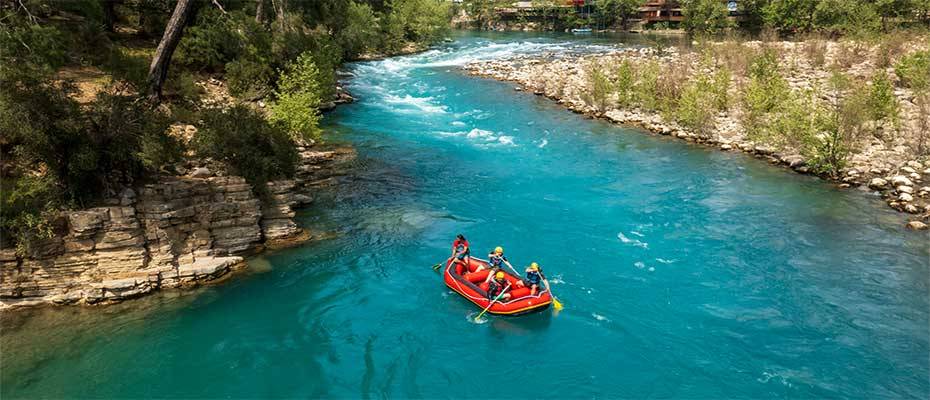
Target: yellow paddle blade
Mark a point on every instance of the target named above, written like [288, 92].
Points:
[556, 304]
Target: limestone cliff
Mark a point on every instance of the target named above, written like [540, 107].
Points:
[174, 232]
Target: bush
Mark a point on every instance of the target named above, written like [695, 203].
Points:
[881, 101]
[624, 84]
[298, 99]
[599, 87]
[914, 70]
[699, 101]
[245, 141]
[766, 89]
[248, 79]
[210, 42]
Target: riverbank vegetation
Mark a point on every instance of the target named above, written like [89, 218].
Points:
[702, 17]
[95, 96]
[780, 94]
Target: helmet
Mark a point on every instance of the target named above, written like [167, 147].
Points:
[534, 266]
[499, 250]
[499, 275]
[460, 237]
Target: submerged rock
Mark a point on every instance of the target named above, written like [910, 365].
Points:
[916, 226]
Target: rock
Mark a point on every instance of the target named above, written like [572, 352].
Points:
[908, 170]
[915, 176]
[911, 209]
[127, 197]
[905, 197]
[905, 189]
[916, 226]
[878, 184]
[901, 180]
[726, 146]
[201, 172]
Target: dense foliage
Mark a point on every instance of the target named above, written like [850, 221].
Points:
[70, 143]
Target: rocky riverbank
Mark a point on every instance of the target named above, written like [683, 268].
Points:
[176, 231]
[885, 162]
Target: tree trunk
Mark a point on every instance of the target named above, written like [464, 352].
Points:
[109, 14]
[260, 11]
[158, 71]
[279, 8]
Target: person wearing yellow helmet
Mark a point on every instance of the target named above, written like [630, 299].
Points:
[496, 261]
[497, 285]
[534, 277]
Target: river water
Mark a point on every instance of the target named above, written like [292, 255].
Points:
[685, 272]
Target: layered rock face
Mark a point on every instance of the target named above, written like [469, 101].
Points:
[175, 232]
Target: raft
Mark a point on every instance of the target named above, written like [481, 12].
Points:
[470, 285]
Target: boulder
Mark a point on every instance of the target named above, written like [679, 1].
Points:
[878, 184]
[905, 189]
[901, 180]
[201, 172]
[905, 197]
[916, 226]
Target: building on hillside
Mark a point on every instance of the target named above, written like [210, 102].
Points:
[670, 10]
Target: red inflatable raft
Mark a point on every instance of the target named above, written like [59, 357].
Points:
[470, 285]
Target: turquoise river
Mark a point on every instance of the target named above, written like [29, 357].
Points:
[685, 272]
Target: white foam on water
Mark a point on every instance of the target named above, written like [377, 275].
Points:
[506, 140]
[633, 242]
[543, 143]
[639, 264]
[664, 261]
[556, 280]
[637, 233]
[458, 123]
[652, 269]
[479, 134]
[451, 134]
[422, 104]
[600, 317]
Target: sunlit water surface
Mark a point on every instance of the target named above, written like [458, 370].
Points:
[685, 272]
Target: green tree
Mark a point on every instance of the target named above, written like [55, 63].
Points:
[612, 12]
[705, 16]
[360, 31]
[298, 99]
[790, 15]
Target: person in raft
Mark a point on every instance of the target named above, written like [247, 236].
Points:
[534, 277]
[461, 250]
[497, 286]
[496, 260]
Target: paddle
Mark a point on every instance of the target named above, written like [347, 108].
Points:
[556, 304]
[493, 301]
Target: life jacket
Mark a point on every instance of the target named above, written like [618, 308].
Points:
[495, 288]
[460, 245]
[496, 260]
[534, 277]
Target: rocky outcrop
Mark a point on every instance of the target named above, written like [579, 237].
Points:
[174, 232]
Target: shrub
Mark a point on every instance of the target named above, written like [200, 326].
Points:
[914, 70]
[646, 88]
[210, 42]
[298, 99]
[624, 84]
[599, 87]
[766, 89]
[244, 140]
[248, 79]
[881, 101]
[695, 107]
